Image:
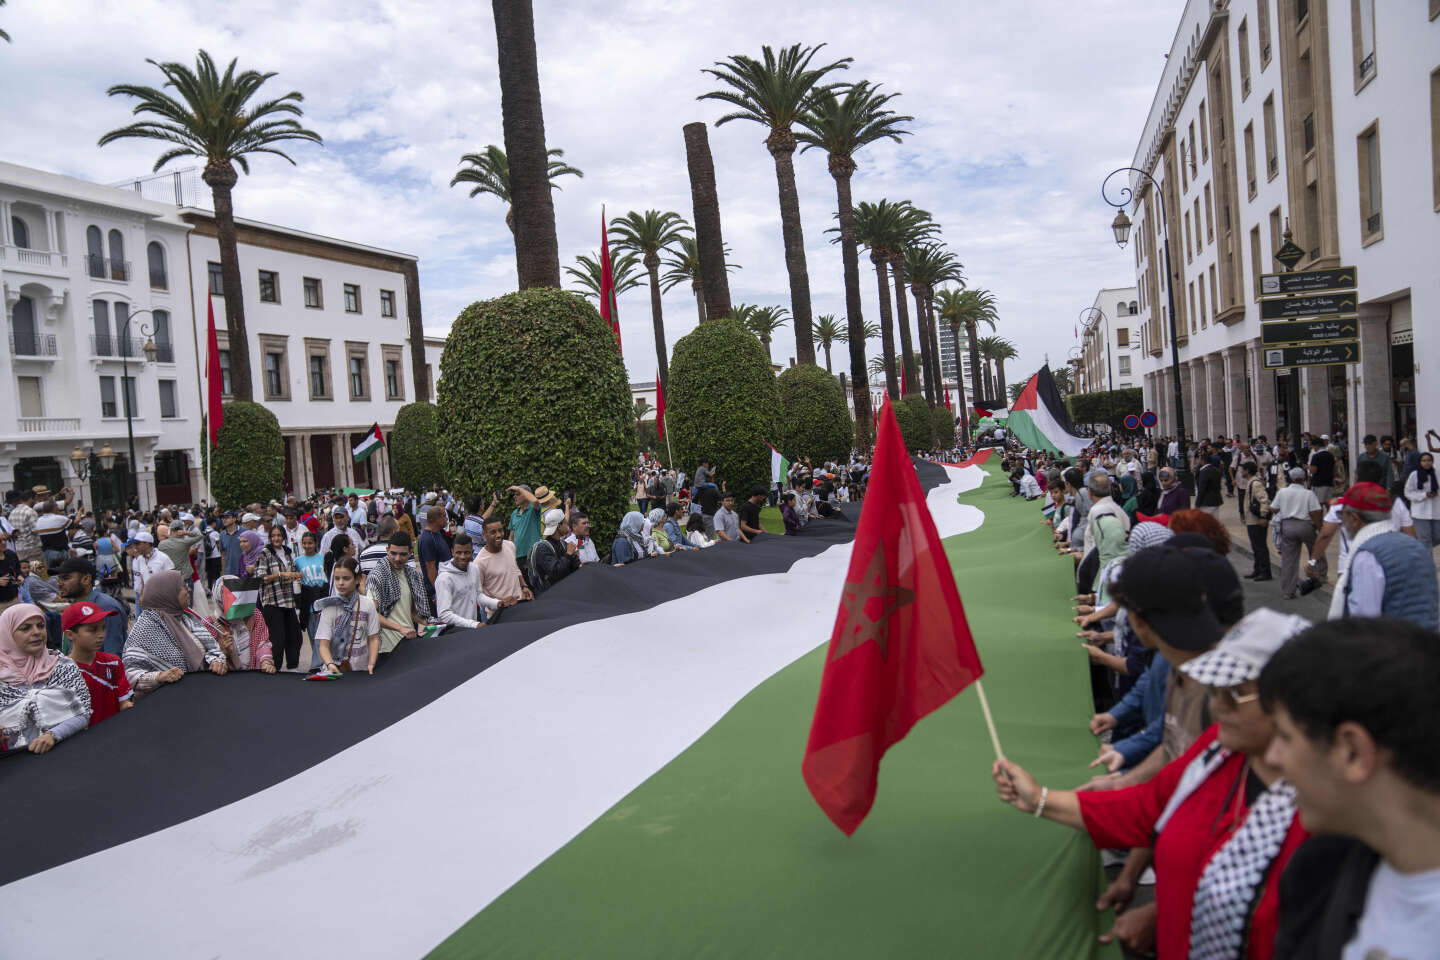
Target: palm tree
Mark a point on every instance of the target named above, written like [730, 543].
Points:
[624, 270]
[828, 332]
[928, 266]
[878, 227]
[1064, 382]
[537, 250]
[991, 349]
[213, 118]
[649, 234]
[762, 321]
[490, 172]
[772, 92]
[970, 308]
[642, 407]
[683, 265]
[1001, 351]
[914, 227]
[841, 126]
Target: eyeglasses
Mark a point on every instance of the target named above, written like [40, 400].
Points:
[1230, 696]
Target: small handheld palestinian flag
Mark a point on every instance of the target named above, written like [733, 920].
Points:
[373, 441]
[239, 596]
[779, 466]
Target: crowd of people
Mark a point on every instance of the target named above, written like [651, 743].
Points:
[104, 607]
[1265, 786]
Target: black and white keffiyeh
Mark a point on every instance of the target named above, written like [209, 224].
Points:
[384, 588]
[1234, 877]
[151, 649]
[44, 706]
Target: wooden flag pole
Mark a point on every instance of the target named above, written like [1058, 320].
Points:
[989, 720]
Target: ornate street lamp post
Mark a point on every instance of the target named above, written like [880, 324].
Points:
[1121, 227]
[151, 352]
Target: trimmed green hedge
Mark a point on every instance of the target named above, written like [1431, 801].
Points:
[814, 417]
[532, 390]
[944, 428]
[722, 403]
[249, 456]
[917, 425]
[1107, 406]
[415, 461]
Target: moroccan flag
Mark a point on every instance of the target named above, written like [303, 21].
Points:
[373, 441]
[901, 646]
[779, 466]
[213, 378]
[239, 596]
[659, 407]
[609, 308]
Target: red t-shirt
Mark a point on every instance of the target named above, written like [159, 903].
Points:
[109, 687]
[1196, 832]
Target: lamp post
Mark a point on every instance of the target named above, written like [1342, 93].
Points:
[1090, 318]
[1121, 227]
[151, 352]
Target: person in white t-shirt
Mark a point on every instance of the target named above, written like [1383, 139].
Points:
[146, 562]
[1355, 711]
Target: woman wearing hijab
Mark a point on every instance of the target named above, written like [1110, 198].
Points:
[244, 639]
[1222, 822]
[1423, 492]
[1147, 500]
[630, 545]
[43, 696]
[168, 639]
[655, 531]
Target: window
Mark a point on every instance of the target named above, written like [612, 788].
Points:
[1250, 159]
[169, 405]
[225, 372]
[1209, 216]
[124, 341]
[119, 267]
[387, 303]
[1189, 256]
[1214, 293]
[277, 366]
[164, 347]
[1275, 237]
[317, 368]
[1242, 44]
[1435, 121]
[1198, 244]
[1134, 306]
[1124, 366]
[101, 341]
[170, 468]
[352, 298]
[1302, 10]
[155, 254]
[269, 286]
[132, 408]
[1362, 40]
[313, 293]
[1192, 148]
[1272, 160]
[1184, 167]
[357, 364]
[1368, 149]
[1192, 306]
[317, 377]
[1204, 133]
[20, 232]
[32, 396]
[108, 404]
[1122, 337]
[1262, 27]
[1204, 317]
[94, 252]
[1255, 258]
[217, 280]
[430, 381]
[393, 363]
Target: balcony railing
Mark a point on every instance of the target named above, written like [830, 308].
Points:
[32, 344]
[164, 353]
[49, 424]
[105, 345]
[103, 268]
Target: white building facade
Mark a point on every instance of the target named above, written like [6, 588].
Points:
[1110, 356]
[92, 276]
[1272, 113]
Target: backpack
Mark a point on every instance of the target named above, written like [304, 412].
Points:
[531, 570]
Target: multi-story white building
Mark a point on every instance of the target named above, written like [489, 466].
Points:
[92, 276]
[1271, 112]
[1110, 342]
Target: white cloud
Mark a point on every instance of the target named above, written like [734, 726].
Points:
[1021, 109]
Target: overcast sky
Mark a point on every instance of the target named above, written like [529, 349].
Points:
[1020, 108]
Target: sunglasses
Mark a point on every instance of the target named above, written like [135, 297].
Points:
[1228, 695]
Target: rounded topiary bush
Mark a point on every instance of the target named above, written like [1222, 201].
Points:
[722, 402]
[814, 417]
[249, 456]
[917, 425]
[944, 428]
[532, 390]
[415, 461]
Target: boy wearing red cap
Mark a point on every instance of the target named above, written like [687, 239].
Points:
[84, 626]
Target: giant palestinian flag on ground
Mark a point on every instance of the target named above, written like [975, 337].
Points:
[1039, 420]
[611, 771]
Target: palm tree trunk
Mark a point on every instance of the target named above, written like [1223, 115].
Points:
[932, 326]
[537, 251]
[976, 382]
[887, 327]
[709, 242]
[927, 363]
[907, 356]
[221, 179]
[959, 380]
[768, 359]
[1000, 376]
[652, 264]
[841, 169]
[781, 144]
[417, 331]
[826, 347]
[698, 288]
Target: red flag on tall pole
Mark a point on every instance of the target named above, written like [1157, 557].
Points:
[901, 646]
[609, 308]
[659, 407]
[947, 398]
[216, 412]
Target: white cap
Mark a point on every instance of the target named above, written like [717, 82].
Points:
[143, 536]
[552, 520]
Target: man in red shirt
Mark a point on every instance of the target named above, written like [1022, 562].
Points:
[84, 626]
